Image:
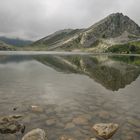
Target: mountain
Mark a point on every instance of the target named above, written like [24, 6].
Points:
[6, 47]
[114, 29]
[56, 39]
[15, 41]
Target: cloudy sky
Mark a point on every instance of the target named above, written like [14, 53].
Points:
[34, 19]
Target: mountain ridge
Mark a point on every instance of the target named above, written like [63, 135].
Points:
[6, 47]
[114, 29]
[15, 41]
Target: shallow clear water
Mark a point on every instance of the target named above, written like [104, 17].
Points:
[94, 88]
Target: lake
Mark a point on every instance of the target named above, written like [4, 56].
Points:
[73, 91]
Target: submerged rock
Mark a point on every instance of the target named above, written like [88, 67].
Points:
[10, 125]
[36, 109]
[66, 138]
[80, 120]
[104, 114]
[134, 122]
[93, 139]
[35, 134]
[69, 125]
[50, 122]
[105, 130]
[16, 116]
[15, 108]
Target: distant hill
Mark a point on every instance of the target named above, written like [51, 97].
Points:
[15, 41]
[113, 30]
[6, 47]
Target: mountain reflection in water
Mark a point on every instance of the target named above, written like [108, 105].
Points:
[112, 72]
[68, 87]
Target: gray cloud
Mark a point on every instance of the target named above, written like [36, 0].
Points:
[33, 19]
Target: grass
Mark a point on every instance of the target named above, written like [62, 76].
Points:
[129, 48]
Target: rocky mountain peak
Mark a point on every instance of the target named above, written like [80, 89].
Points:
[116, 15]
[112, 26]
[115, 25]
[114, 29]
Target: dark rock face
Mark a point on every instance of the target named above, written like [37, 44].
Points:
[114, 25]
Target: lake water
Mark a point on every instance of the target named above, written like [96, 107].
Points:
[70, 88]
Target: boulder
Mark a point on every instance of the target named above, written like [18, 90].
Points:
[105, 130]
[35, 134]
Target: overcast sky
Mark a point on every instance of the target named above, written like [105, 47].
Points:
[34, 19]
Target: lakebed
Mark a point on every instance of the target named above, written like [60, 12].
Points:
[72, 93]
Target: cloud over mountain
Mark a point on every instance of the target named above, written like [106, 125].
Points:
[33, 19]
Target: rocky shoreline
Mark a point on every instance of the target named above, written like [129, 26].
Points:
[16, 125]
[103, 131]
[12, 125]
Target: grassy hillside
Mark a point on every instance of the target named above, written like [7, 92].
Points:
[128, 48]
[55, 39]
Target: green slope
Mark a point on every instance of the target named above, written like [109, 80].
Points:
[128, 48]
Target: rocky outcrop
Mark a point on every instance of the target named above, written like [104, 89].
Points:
[114, 25]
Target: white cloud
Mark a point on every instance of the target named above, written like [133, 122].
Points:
[34, 19]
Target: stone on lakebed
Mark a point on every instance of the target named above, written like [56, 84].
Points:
[36, 109]
[105, 130]
[35, 134]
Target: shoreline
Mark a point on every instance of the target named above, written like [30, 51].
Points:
[59, 53]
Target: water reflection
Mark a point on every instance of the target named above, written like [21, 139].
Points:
[71, 87]
[112, 72]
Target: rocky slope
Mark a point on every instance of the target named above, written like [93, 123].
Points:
[56, 39]
[114, 29]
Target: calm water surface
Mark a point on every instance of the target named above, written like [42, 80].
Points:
[93, 88]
